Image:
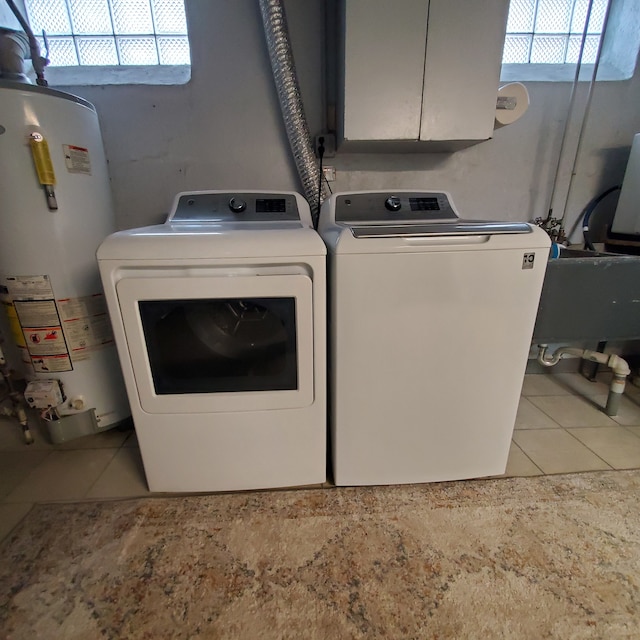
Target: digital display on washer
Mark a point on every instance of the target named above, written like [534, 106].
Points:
[390, 207]
[221, 345]
[424, 204]
[271, 205]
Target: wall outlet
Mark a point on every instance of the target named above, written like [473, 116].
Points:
[329, 173]
[329, 144]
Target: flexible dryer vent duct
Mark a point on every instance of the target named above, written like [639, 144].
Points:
[284, 73]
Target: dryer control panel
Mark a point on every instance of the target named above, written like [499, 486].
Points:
[425, 206]
[235, 207]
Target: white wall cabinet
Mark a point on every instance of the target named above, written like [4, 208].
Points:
[419, 72]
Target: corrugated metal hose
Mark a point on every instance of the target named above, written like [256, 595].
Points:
[286, 81]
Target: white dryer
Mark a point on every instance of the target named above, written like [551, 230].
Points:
[431, 319]
[219, 317]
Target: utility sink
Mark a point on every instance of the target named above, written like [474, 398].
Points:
[583, 253]
[589, 295]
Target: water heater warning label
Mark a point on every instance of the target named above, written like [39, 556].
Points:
[30, 300]
[77, 159]
[43, 335]
[37, 313]
[25, 288]
[55, 333]
[47, 364]
[46, 341]
[86, 324]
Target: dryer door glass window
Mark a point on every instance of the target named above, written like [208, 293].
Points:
[221, 345]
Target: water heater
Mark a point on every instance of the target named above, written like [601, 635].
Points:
[56, 209]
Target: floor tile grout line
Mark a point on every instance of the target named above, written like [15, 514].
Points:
[580, 393]
[31, 472]
[570, 391]
[64, 499]
[526, 455]
[546, 414]
[86, 493]
[587, 446]
[628, 428]
[591, 404]
[528, 396]
[609, 467]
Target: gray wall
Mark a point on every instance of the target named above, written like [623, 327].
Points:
[224, 130]
[7, 17]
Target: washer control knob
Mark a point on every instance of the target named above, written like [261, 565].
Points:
[392, 203]
[237, 205]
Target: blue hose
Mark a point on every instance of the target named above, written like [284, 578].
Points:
[585, 216]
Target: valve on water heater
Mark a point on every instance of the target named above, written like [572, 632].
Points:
[43, 394]
[77, 403]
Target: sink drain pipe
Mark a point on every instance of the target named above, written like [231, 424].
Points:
[617, 364]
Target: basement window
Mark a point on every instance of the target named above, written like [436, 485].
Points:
[112, 41]
[544, 38]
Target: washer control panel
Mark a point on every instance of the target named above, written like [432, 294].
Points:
[427, 206]
[235, 207]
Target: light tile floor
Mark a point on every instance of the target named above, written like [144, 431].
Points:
[560, 428]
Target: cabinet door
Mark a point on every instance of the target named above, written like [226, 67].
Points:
[384, 46]
[462, 68]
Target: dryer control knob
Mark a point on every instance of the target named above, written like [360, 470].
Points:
[393, 203]
[237, 205]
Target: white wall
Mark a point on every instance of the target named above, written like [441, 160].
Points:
[224, 130]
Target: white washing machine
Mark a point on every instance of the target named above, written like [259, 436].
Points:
[219, 317]
[431, 319]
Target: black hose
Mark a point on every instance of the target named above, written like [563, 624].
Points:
[589, 209]
[585, 216]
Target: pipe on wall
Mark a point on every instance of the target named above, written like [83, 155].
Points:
[38, 61]
[286, 81]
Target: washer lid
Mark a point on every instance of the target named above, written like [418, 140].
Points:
[403, 221]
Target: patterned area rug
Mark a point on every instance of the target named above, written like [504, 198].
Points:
[548, 557]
